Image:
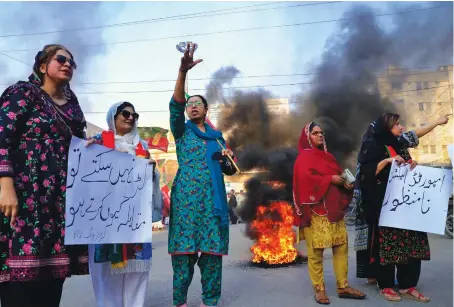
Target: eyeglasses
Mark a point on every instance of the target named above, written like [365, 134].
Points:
[322, 133]
[126, 114]
[61, 59]
[194, 104]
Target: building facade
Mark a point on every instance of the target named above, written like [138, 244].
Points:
[422, 97]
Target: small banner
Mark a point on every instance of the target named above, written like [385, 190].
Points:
[156, 137]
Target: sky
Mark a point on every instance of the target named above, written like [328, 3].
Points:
[281, 50]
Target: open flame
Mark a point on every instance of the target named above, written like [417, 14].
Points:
[275, 237]
[275, 184]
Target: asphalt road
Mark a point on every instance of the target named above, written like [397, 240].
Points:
[246, 286]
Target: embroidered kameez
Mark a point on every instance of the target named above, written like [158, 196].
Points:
[35, 134]
[196, 224]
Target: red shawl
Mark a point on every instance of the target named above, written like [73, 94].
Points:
[312, 188]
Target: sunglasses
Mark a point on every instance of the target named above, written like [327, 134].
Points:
[126, 114]
[194, 104]
[322, 133]
[61, 59]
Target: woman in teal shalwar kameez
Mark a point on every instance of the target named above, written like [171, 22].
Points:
[198, 212]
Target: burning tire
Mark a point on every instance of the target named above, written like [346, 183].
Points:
[275, 239]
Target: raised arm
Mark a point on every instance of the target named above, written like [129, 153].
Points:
[177, 106]
[178, 100]
[422, 131]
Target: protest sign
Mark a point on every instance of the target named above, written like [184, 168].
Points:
[417, 199]
[108, 196]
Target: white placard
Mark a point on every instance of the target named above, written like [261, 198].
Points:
[417, 199]
[108, 196]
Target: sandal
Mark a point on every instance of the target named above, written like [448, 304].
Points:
[350, 293]
[414, 294]
[390, 295]
[322, 298]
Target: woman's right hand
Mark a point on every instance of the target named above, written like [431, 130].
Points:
[398, 159]
[90, 141]
[337, 180]
[187, 61]
[8, 201]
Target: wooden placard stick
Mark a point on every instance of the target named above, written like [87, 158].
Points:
[230, 158]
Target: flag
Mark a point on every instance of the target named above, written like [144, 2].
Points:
[156, 137]
[212, 126]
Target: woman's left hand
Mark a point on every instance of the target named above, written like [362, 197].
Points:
[413, 164]
[227, 152]
[349, 186]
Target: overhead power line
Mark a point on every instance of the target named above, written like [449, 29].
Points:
[236, 30]
[268, 104]
[244, 77]
[232, 87]
[161, 111]
[174, 17]
[248, 77]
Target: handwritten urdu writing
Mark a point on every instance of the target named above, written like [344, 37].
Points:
[108, 196]
[417, 199]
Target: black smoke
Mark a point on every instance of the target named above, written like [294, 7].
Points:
[344, 97]
[221, 77]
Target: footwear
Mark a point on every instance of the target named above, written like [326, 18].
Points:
[390, 295]
[184, 305]
[321, 298]
[414, 294]
[350, 293]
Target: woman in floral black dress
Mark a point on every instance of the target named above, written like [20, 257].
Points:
[37, 120]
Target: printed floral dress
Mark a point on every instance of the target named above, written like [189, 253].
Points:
[193, 226]
[35, 135]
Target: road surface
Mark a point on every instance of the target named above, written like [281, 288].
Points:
[246, 286]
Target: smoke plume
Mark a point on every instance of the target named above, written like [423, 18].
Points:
[344, 97]
[221, 77]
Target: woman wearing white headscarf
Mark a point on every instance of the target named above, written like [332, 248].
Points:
[119, 272]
